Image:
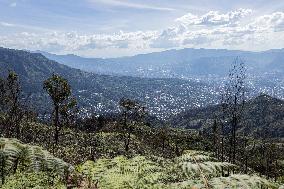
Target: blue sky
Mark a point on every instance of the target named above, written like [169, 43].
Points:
[112, 28]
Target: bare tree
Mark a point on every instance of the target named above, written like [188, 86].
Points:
[233, 99]
[215, 138]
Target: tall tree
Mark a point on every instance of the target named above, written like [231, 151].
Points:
[132, 111]
[233, 101]
[215, 138]
[163, 136]
[12, 96]
[59, 90]
[11, 106]
[68, 112]
[2, 105]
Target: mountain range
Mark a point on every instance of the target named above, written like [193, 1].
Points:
[184, 103]
[101, 93]
[184, 63]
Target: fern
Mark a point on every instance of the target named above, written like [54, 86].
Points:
[18, 157]
[193, 169]
[241, 181]
[121, 172]
[38, 180]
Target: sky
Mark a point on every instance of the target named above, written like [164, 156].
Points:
[115, 28]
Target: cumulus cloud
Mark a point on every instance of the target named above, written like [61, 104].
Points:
[224, 31]
[72, 41]
[214, 18]
[210, 30]
[273, 21]
[168, 38]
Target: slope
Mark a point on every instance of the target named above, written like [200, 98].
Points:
[100, 93]
[263, 116]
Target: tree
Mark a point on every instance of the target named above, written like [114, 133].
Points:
[2, 105]
[68, 112]
[13, 97]
[215, 138]
[163, 134]
[59, 90]
[131, 111]
[233, 99]
[11, 106]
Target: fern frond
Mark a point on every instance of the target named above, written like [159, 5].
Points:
[17, 156]
[241, 181]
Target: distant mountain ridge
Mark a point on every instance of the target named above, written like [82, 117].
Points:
[189, 104]
[176, 63]
[101, 93]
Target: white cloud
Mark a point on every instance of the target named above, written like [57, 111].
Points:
[214, 30]
[168, 38]
[214, 18]
[273, 21]
[6, 24]
[60, 42]
[206, 31]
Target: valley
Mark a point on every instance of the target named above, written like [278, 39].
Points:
[100, 133]
[141, 94]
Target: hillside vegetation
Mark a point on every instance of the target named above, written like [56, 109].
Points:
[101, 93]
[27, 166]
[262, 118]
[194, 169]
[30, 167]
[231, 145]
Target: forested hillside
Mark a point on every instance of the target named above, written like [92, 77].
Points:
[262, 118]
[141, 94]
[101, 93]
[236, 144]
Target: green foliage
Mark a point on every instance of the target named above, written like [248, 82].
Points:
[121, 172]
[194, 169]
[34, 180]
[241, 181]
[18, 157]
[11, 107]
[195, 163]
[58, 88]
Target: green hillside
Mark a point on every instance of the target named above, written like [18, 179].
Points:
[101, 93]
[262, 118]
[130, 148]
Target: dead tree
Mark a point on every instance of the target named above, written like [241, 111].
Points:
[233, 99]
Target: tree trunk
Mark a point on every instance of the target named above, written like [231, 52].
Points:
[222, 148]
[56, 124]
[127, 141]
[234, 139]
[163, 146]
